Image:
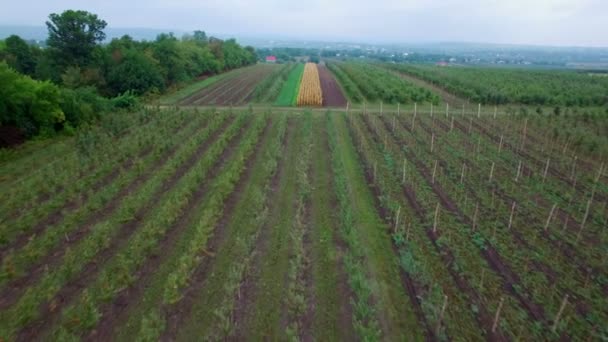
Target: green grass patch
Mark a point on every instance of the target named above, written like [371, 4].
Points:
[289, 93]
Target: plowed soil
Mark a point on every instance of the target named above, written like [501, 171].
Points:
[332, 93]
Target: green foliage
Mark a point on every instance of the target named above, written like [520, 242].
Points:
[19, 55]
[376, 84]
[32, 106]
[73, 35]
[136, 72]
[503, 86]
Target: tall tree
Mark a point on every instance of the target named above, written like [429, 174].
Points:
[19, 55]
[73, 35]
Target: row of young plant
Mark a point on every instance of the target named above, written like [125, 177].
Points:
[18, 261]
[299, 260]
[561, 275]
[365, 320]
[234, 254]
[374, 257]
[416, 254]
[103, 236]
[120, 271]
[377, 84]
[454, 236]
[268, 90]
[509, 241]
[580, 177]
[187, 261]
[53, 187]
[543, 192]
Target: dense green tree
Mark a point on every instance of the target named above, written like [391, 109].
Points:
[137, 72]
[73, 36]
[19, 55]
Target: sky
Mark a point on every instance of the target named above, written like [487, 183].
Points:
[534, 22]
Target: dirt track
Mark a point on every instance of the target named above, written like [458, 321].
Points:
[332, 93]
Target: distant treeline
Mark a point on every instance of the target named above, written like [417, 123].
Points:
[75, 62]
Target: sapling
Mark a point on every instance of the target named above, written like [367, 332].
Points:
[434, 171]
[578, 235]
[518, 171]
[447, 109]
[495, 111]
[500, 144]
[432, 141]
[559, 313]
[491, 172]
[404, 165]
[479, 111]
[436, 216]
[511, 216]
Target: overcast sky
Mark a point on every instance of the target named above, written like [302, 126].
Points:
[540, 22]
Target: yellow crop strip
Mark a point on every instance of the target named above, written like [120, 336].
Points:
[310, 89]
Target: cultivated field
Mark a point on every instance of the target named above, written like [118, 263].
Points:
[182, 225]
[310, 93]
[332, 93]
[236, 88]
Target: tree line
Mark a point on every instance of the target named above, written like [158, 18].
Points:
[77, 71]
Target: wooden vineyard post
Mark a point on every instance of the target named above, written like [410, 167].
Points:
[495, 111]
[475, 216]
[436, 216]
[364, 107]
[518, 171]
[546, 169]
[432, 141]
[443, 307]
[397, 218]
[447, 109]
[491, 172]
[434, 171]
[347, 105]
[550, 216]
[470, 125]
[500, 144]
[415, 108]
[483, 273]
[394, 119]
[452, 124]
[574, 168]
[559, 313]
[404, 164]
[578, 235]
[431, 109]
[463, 109]
[398, 109]
[511, 216]
[381, 111]
[497, 317]
[479, 111]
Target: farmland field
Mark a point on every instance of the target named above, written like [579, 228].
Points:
[235, 88]
[306, 224]
[289, 93]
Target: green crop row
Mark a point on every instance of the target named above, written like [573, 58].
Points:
[291, 87]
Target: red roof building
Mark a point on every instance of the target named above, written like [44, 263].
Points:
[271, 59]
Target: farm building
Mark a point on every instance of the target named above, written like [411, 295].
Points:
[271, 59]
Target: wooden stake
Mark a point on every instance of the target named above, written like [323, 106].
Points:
[518, 171]
[491, 172]
[413, 120]
[431, 109]
[452, 124]
[394, 119]
[574, 167]
[578, 235]
[436, 215]
[445, 304]
[447, 109]
[483, 273]
[546, 169]
[470, 125]
[404, 164]
[415, 107]
[500, 144]
[479, 111]
[398, 108]
[497, 317]
[375, 172]
[432, 141]
[397, 218]
[381, 111]
[550, 216]
[559, 313]
[511, 216]
[495, 111]
[434, 171]
[523, 137]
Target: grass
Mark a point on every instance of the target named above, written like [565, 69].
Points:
[289, 94]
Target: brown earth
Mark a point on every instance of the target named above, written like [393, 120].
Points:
[332, 93]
